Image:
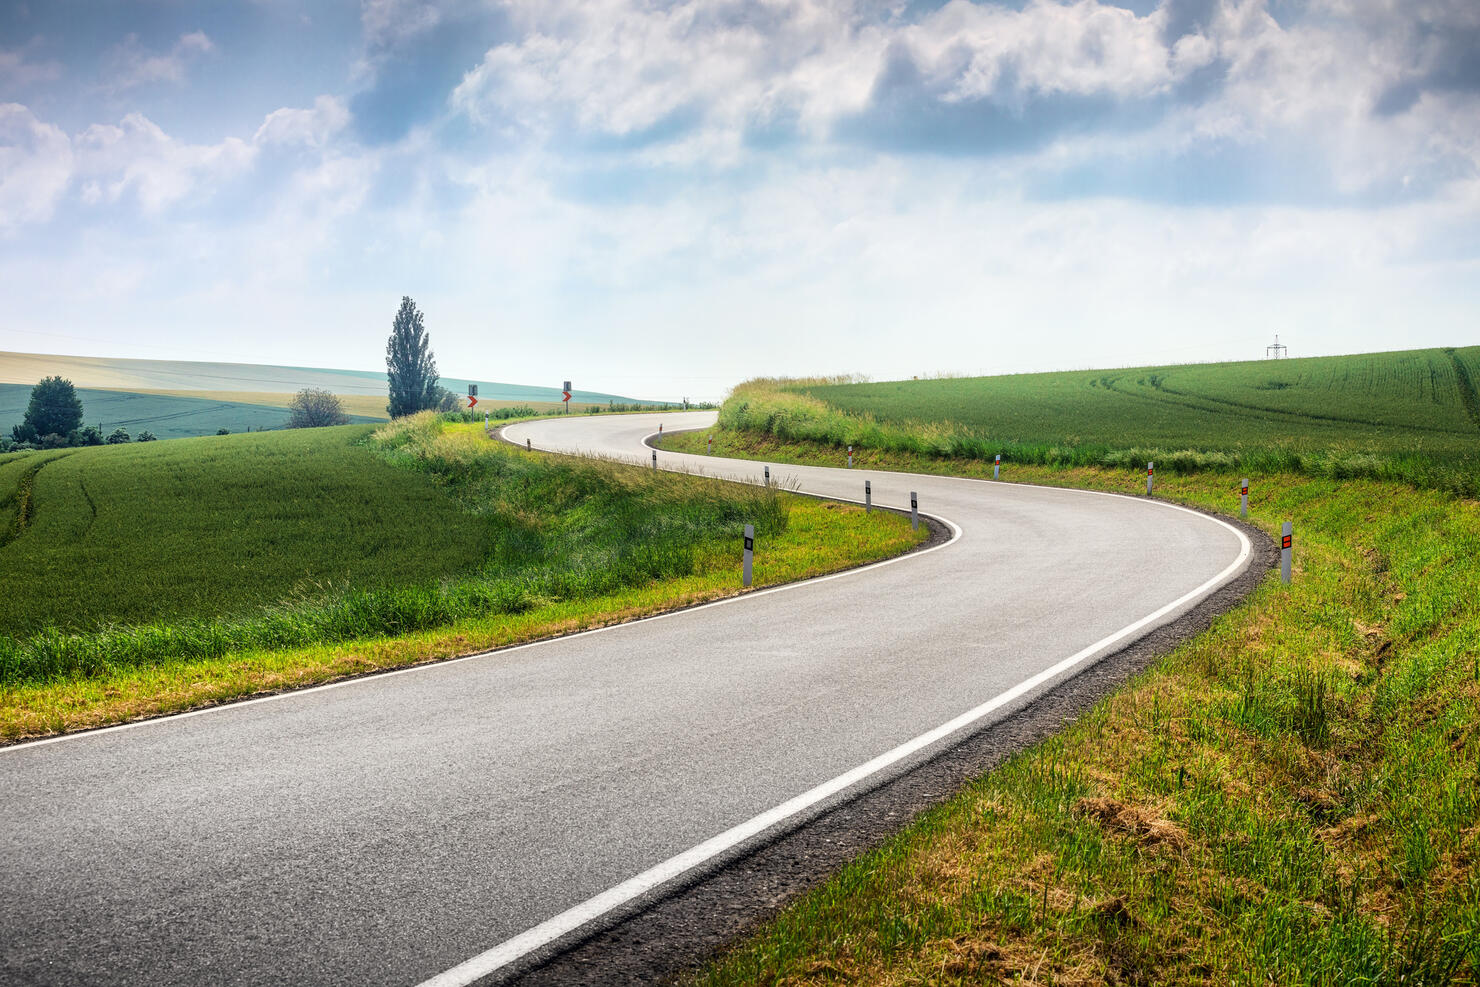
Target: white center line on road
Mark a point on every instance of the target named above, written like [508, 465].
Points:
[571, 919]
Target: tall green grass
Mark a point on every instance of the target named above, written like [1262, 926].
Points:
[1409, 416]
[540, 530]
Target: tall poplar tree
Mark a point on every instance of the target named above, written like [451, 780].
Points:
[409, 363]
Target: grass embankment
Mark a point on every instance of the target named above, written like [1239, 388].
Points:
[501, 547]
[1294, 797]
[1412, 416]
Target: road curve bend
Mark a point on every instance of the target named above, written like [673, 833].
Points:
[444, 823]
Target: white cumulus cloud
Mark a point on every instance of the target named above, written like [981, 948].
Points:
[137, 157]
[132, 65]
[312, 127]
[35, 166]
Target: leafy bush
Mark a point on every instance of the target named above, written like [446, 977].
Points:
[314, 407]
[118, 435]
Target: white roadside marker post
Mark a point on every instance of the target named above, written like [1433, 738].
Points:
[868, 497]
[997, 467]
[529, 445]
[749, 551]
[1243, 498]
[914, 511]
[850, 457]
[768, 476]
[1286, 537]
[1150, 473]
[711, 445]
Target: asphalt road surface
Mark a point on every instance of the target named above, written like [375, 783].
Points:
[451, 821]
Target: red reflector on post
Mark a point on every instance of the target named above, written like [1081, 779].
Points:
[1285, 542]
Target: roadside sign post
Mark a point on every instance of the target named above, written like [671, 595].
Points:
[914, 511]
[749, 551]
[1287, 536]
[997, 467]
[529, 445]
[850, 457]
[1243, 498]
[868, 497]
[566, 391]
[473, 399]
[711, 445]
[1150, 475]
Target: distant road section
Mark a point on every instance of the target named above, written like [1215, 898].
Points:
[440, 823]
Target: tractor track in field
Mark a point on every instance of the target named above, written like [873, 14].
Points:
[23, 502]
[1467, 393]
[1229, 406]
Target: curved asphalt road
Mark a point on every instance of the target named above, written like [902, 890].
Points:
[393, 829]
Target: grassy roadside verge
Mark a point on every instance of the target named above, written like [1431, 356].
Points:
[569, 545]
[1294, 797]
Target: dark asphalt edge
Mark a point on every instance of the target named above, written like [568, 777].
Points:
[676, 928]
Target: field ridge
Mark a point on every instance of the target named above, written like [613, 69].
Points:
[1467, 393]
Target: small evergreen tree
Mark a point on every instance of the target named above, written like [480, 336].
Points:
[55, 409]
[409, 364]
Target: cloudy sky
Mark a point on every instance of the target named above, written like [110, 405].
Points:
[661, 198]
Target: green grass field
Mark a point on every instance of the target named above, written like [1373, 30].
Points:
[1411, 415]
[216, 527]
[1291, 798]
[150, 578]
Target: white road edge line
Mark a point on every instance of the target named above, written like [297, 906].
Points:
[572, 919]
